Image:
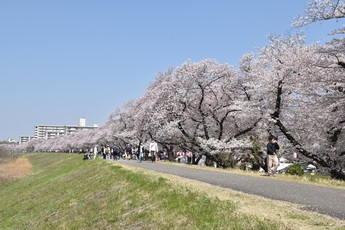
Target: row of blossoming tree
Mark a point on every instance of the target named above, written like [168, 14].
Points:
[287, 88]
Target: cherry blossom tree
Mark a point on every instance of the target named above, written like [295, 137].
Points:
[320, 10]
[297, 92]
[160, 119]
[197, 104]
[333, 67]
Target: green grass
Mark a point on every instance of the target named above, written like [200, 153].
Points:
[66, 192]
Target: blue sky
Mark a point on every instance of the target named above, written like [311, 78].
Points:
[63, 60]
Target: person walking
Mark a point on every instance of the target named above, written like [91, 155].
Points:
[116, 152]
[272, 158]
[153, 148]
[103, 152]
[95, 152]
[128, 151]
[141, 153]
[107, 153]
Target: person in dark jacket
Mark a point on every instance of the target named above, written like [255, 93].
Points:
[128, 150]
[272, 158]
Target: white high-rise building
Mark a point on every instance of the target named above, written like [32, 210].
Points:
[82, 122]
[51, 131]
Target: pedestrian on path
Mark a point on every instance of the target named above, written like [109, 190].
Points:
[141, 153]
[95, 152]
[272, 158]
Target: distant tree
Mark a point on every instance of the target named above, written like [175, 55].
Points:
[5, 153]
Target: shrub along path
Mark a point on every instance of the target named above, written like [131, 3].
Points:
[324, 200]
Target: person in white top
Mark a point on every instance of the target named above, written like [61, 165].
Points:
[95, 152]
[153, 148]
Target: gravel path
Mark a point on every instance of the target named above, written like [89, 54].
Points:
[329, 201]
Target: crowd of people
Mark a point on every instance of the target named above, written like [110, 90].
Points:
[128, 153]
[153, 154]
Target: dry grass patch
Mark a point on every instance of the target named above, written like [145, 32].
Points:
[15, 168]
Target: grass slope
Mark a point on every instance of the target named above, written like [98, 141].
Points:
[65, 192]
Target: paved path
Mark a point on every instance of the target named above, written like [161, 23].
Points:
[319, 199]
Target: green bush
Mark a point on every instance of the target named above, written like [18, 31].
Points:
[296, 169]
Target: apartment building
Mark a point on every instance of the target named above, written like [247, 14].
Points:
[51, 131]
[23, 139]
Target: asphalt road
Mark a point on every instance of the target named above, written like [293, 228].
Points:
[328, 201]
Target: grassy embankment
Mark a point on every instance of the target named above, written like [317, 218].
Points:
[65, 192]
